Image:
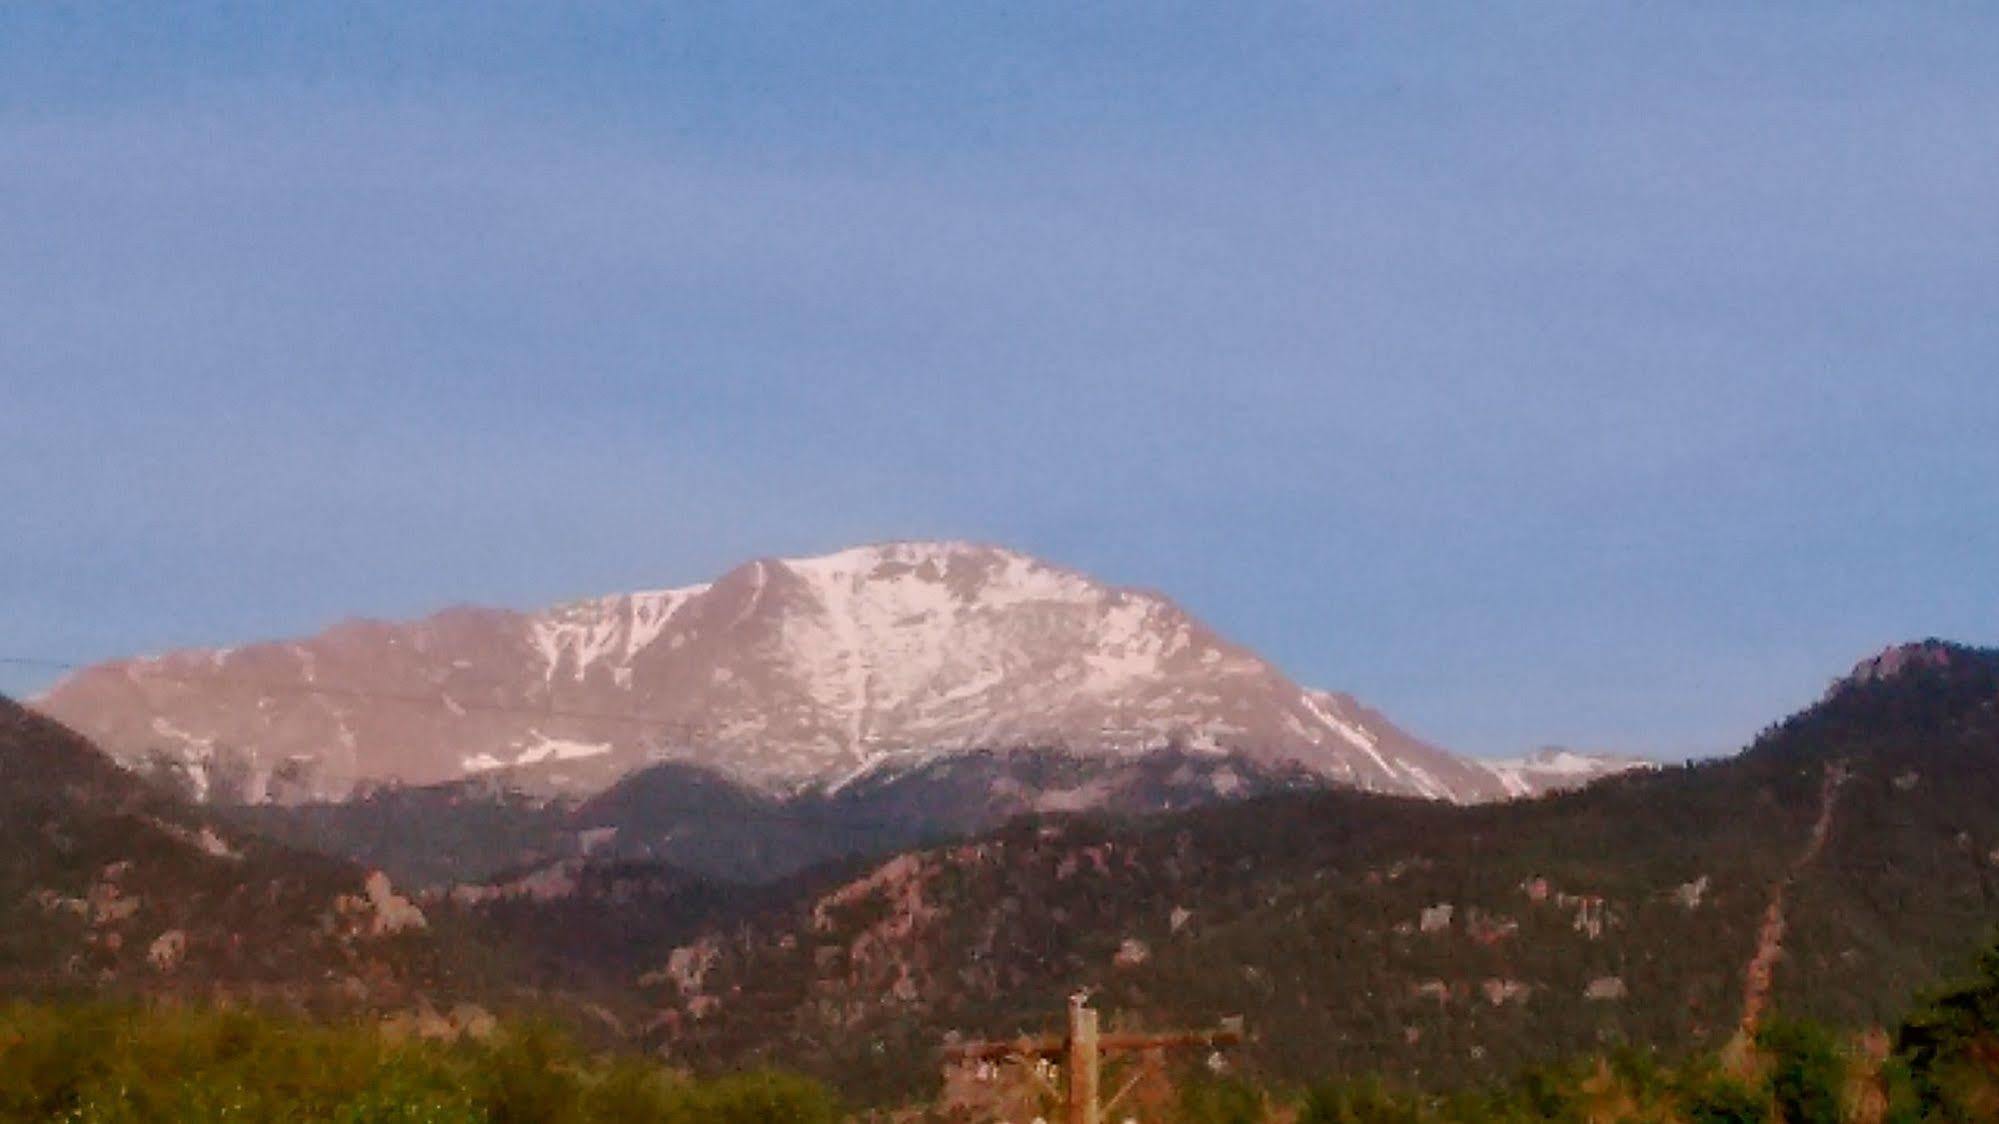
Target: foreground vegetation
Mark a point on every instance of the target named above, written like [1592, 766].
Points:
[113, 1065]
[106, 1064]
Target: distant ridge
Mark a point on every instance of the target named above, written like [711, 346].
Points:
[786, 674]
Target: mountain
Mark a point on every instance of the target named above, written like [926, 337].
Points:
[1846, 859]
[785, 674]
[705, 823]
[1554, 769]
[108, 884]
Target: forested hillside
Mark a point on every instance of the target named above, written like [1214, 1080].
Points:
[1849, 856]
[110, 886]
[699, 820]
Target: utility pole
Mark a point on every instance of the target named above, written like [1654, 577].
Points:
[1082, 1050]
[1083, 1108]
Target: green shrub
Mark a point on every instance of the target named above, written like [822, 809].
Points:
[1719, 1099]
[765, 1097]
[1949, 1046]
[1229, 1101]
[1356, 1102]
[1806, 1071]
[530, 1077]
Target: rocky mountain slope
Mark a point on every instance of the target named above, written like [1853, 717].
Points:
[785, 674]
[1847, 859]
[109, 884]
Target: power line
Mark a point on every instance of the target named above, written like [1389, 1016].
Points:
[442, 699]
[688, 732]
[676, 728]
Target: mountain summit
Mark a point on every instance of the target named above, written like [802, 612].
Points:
[1897, 659]
[785, 673]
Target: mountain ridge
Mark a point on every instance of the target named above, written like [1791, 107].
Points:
[110, 884]
[1844, 859]
[785, 673]
[472, 831]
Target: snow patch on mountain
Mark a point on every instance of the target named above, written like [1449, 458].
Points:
[583, 633]
[1553, 769]
[1323, 706]
[546, 748]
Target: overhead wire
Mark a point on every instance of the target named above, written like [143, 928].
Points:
[443, 698]
[689, 733]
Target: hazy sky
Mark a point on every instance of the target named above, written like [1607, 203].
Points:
[1608, 375]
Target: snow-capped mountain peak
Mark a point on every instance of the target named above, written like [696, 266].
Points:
[786, 673]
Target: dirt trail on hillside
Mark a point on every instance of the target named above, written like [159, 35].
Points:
[1762, 968]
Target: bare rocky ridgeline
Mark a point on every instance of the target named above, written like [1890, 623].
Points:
[785, 674]
[1897, 659]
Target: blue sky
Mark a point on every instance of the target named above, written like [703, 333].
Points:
[1596, 374]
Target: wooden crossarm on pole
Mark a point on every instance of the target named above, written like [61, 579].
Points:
[1128, 1043]
[1053, 1046]
[1083, 1048]
[1047, 1046]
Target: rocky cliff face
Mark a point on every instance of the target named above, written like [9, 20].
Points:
[787, 674]
[1897, 659]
